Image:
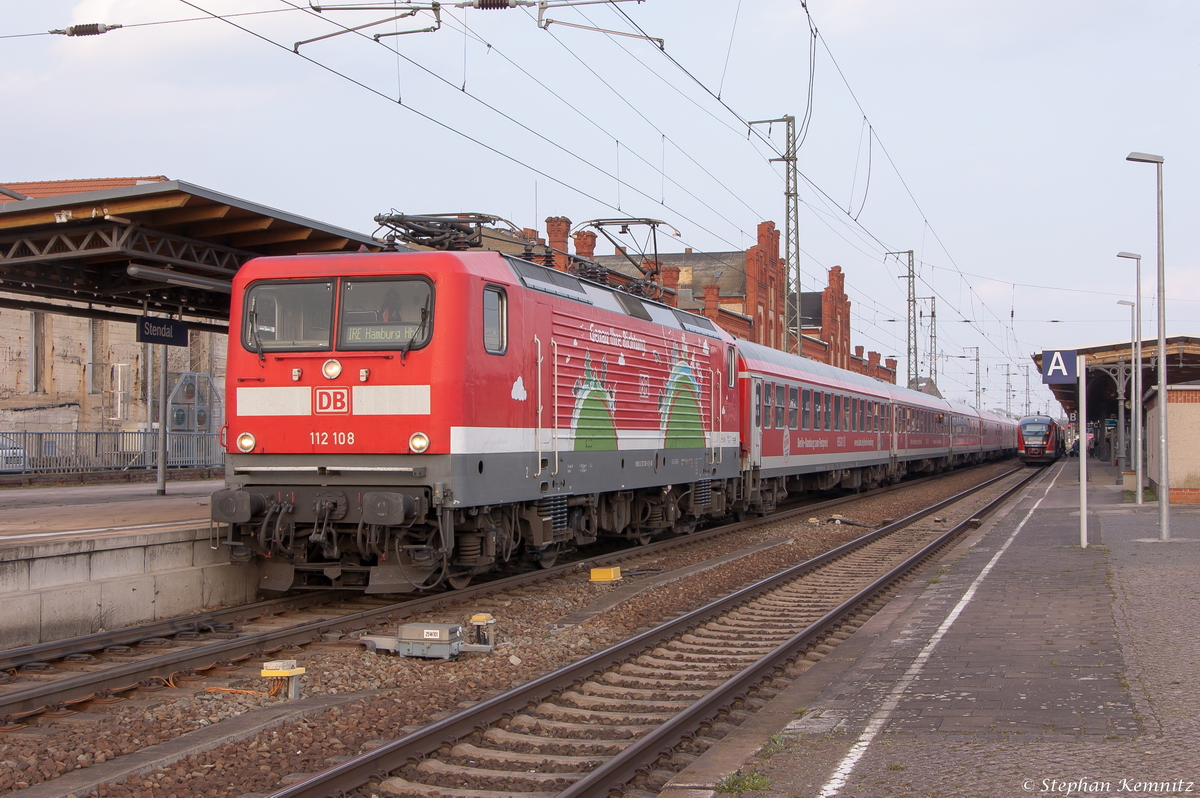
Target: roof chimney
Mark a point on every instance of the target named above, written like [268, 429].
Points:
[557, 229]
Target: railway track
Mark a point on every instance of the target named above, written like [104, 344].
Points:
[606, 721]
[57, 676]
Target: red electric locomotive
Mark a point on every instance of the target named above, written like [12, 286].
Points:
[398, 420]
[404, 420]
[1041, 440]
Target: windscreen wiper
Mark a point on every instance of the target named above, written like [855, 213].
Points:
[254, 339]
[417, 333]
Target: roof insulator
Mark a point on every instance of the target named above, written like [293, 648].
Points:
[493, 5]
[90, 29]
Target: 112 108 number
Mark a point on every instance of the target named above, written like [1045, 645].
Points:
[331, 438]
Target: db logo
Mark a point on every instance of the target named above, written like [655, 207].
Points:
[333, 400]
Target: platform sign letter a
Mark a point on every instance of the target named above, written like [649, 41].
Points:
[1058, 366]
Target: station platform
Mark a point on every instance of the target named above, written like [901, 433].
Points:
[1016, 664]
[29, 514]
[75, 560]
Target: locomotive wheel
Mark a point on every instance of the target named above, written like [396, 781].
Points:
[643, 539]
[459, 581]
[548, 558]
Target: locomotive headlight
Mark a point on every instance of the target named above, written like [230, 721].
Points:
[245, 442]
[418, 442]
[331, 369]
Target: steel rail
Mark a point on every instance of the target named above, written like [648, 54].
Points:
[342, 778]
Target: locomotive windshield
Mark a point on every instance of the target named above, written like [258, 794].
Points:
[385, 314]
[291, 316]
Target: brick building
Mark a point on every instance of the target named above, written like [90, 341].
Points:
[745, 293]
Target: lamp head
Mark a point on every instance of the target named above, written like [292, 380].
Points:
[1125, 302]
[1143, 157]
[1129, 255]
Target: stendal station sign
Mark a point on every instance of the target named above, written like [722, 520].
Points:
[171, 332]
[1058, 366]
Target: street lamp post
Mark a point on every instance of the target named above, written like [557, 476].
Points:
[1135, 425]
[1122, 460]
[1164, 481]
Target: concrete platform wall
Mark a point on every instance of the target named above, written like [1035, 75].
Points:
[53, 590]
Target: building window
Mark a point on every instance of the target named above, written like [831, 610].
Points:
[37, 352]
[95, 364]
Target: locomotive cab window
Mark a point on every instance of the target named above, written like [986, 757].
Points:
[287, 317]
[495, 320]
[385, 314]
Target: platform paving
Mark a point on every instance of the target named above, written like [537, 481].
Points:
[28, 515]
[1057, 670]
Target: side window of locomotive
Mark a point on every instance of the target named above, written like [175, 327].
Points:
[385, 314]
[731, 366]
[291, 316]
[780, 405]
[793, 402]
[805, 408]
[495, 320]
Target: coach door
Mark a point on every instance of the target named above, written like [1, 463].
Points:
[756, 422]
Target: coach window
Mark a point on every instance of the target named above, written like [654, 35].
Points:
[495, 321]
[828, 411]
[837, 412]
[862, 414]
[780, 405]
[805, 409]
[793, 402]
[845, 413]
[854, 414]
[402, 320]
[758, 404]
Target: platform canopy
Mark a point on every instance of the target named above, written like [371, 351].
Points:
[163, 246]
[1107, 362]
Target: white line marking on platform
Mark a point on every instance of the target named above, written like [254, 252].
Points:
[842, 773]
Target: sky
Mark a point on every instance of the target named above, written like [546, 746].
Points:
[988, 137]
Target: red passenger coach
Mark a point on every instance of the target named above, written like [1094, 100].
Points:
[811, 426]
